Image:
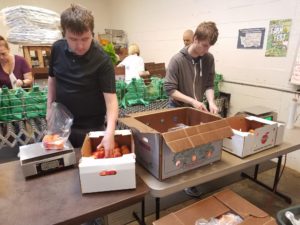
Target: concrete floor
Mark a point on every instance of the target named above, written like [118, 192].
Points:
[266, 200]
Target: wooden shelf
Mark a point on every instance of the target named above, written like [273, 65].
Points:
[38, 58]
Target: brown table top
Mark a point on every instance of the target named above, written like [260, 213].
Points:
[56, 198]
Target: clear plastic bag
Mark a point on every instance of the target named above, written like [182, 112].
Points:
[58, 127]
[178, 127]
[226, 219]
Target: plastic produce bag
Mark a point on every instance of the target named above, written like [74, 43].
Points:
[135, 94]
[58, 127]
[36, 103]
[152, 92]
[120, 90]
[226, 219]
[17, 103]
[5, 105]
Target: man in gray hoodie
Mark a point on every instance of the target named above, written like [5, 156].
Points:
[191, 72]
[190, 75]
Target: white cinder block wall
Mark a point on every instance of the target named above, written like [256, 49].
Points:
[157, 26]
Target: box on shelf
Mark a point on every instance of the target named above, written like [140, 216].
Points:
[216, 206]
[252, 134]
[172, 141]
[107, 174]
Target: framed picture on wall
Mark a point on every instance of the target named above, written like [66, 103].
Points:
[252, 38]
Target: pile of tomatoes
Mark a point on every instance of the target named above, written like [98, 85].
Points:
[53, 141]
[118, 151]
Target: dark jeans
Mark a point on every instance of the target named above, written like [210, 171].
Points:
[78, 134]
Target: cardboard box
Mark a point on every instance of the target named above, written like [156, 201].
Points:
[107, 174]
[172, 141]
[263, 134]
[214, 207]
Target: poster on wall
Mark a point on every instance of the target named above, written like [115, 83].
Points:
[252, 38]
[278, 38]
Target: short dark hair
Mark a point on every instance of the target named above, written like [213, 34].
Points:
[77, 19]
[207, 31]
[4, 42]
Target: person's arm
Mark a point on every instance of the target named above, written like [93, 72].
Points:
[177, 95]
[26, 71]
[112, 112]
[211, 101]
[51, 94]
[27, 81]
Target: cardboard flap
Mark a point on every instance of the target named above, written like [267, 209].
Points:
[240, 205]
[133, 123]
[204, 209]
[170, 219]
[252, 220]
[191, 137]
[86, 150]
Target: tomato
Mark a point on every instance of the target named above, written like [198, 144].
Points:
[125, 149]
[99, 154]
[53, 141]
[100, 148]
[117, 154]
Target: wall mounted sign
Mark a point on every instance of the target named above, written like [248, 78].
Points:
[278, 38]
[252, 38]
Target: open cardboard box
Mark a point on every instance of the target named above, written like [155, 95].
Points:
[172, 141]
[214, 207]
[263, 134]
[93, 172]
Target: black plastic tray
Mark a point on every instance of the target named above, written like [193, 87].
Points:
[281, 218]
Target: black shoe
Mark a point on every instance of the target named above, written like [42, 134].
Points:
[193, 192]
[98, 221]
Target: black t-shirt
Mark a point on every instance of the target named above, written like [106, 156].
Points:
[81, 82]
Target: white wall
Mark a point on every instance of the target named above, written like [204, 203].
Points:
[157, 26]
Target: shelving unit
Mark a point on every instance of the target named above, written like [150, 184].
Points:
[38, 58]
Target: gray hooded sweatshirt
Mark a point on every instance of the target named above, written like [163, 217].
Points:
[190, 76]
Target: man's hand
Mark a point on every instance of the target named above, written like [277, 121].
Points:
[108, 142]
[198, 105]
[213, 108]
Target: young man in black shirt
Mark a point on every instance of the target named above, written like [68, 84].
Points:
[81, 77]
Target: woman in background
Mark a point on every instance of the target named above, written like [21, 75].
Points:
[134, 63]
[14, 70]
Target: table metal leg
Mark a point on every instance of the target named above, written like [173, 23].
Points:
[275, 183]
[157, 207]
[140, 221]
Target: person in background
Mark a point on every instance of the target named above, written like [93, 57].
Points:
[134, 64]
[14, 70]
[81, 77]
[187, 37]
[190, 75]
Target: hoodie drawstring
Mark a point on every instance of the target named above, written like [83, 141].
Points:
[195, 75]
